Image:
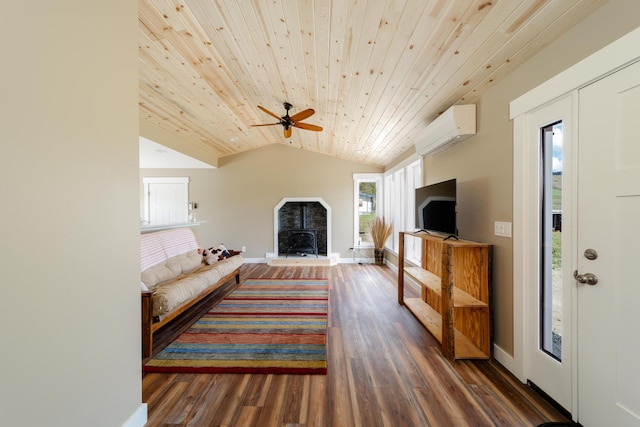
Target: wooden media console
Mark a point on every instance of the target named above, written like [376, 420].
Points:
[455, 305]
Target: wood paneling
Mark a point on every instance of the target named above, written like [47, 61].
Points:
[384, 369]
[376, 71]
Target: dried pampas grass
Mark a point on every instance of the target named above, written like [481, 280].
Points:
[380, 232]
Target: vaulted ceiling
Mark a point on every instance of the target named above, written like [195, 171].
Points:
[376, 72]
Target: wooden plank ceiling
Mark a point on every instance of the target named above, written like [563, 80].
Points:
[376, 72]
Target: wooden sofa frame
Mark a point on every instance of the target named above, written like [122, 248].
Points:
[150, 325]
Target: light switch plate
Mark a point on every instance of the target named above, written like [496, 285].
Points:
[502, 229]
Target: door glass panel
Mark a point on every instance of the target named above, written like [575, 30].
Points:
[366, 210]
[551, 241]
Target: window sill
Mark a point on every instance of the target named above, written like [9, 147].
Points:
[150, 228]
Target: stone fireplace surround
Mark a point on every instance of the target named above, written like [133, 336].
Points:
[313, 208]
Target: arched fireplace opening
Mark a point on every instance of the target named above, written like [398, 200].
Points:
[302, 229]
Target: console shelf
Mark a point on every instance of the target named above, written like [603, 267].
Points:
[455, 302]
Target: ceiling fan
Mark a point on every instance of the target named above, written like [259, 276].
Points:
[291, 121]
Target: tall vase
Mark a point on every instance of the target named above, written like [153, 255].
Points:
[379, 256]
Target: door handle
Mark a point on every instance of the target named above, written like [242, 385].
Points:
[586, 278]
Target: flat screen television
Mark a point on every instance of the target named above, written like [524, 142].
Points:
[436, 208]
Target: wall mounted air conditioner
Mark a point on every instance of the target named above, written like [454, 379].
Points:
[454, 125]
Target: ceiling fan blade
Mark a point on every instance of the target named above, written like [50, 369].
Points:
[287, 132]
[266, 124]
[303, 114]
[269, 112]
[307, 126]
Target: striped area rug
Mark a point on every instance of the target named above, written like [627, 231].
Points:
[272, 326]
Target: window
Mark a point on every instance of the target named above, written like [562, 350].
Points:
[165, 201]
[413, 173]
[400, 185]
[367, 194]
[551, 239]
[390, 195]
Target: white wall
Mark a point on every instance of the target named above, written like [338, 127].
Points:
[69, 252]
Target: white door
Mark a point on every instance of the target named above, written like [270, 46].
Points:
[608, 315]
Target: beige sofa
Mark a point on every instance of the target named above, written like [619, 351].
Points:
[174, 277]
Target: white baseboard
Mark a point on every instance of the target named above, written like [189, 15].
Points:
[391, 266]
[255, 260]
[139, 418]
[340, 261]
[508, 362]
[357, 260]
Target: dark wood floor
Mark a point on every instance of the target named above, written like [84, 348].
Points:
[385, 369]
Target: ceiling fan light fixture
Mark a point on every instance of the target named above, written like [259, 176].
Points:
[289, 122]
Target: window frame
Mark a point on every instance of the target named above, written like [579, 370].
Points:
[359, 178]
[399, 202]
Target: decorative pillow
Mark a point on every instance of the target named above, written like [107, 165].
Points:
[215, 254]
[209, 256]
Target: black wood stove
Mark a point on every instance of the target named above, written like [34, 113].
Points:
[303, 241]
